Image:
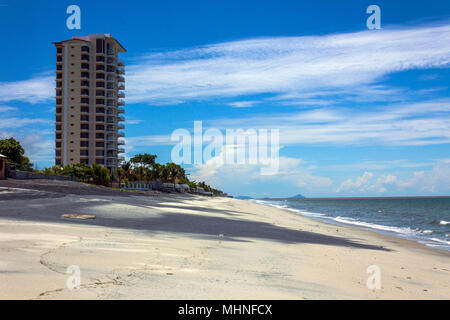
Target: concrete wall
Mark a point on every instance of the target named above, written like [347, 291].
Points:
[2, 169]
[24, 175]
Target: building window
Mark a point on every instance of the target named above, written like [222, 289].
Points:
[84, 109]
[84, 126]
[84, 135]
[84, 143]
[100, 46]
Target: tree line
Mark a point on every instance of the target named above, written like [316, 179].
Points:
[141, 167]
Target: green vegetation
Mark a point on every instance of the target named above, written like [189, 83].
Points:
[12, 149]
[141, 167]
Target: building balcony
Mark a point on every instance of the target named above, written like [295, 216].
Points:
[111, 146]
[110, 52]
[120, 142]
[121, 118]
[120, 102]
[121, 70]
[121, 95]
[120, 110]
[121, 150]
[120, 79]
[121, 134]
[121, 87]
[120, 62]
[121, 127]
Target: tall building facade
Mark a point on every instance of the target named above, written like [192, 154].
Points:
[89, 101]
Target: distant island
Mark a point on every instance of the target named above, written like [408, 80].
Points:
[298, 196]
[243, 197]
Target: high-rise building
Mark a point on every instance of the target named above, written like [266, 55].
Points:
[89, 101]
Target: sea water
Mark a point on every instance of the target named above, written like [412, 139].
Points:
[426, 220]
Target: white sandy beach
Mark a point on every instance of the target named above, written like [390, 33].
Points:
[192, 247]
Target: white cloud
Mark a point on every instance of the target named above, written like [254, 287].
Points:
[38, 89]
[361, 183]
[9, 123]
[293, 177]
[433, 181]
[7, 108]
[311, 65]
[420, 123]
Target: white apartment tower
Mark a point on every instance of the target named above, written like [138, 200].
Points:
[89, 101]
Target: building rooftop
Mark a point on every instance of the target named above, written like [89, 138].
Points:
[92, 37]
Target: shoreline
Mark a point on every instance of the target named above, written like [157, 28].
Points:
[362, 225]
[386, 234]
[169, 246]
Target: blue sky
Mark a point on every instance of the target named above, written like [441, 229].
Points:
[360, 112]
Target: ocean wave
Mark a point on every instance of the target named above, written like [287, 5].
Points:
[416, 234]
[286, 207]
[441, 241]
[374, 225]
